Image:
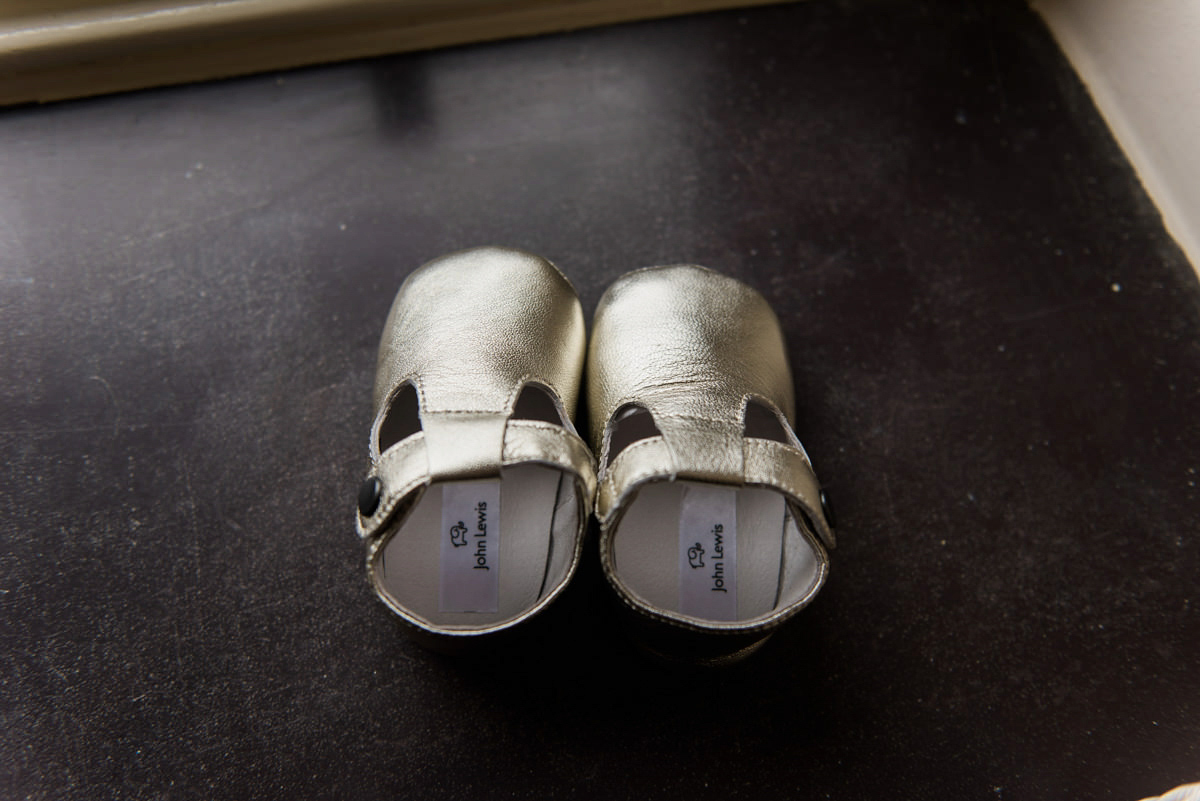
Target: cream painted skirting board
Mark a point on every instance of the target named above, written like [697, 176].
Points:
[1141, 62]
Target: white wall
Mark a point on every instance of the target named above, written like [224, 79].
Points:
[1141, 62]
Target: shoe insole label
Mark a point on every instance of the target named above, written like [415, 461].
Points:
[470, 550]
[708, 553]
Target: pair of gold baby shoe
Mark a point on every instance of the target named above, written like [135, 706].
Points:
[713, 527]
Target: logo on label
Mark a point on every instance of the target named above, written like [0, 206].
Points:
[458, 534]
[706, 553]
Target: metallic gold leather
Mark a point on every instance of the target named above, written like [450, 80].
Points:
[472, 328]
[693, 347]
[469, 331]
[687, 342]
[465, 444]
[535, 441]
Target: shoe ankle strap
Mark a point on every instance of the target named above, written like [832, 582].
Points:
[414, 463]
[759, 462]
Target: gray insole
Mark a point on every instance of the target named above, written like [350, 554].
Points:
[538, 521]
[770, 549]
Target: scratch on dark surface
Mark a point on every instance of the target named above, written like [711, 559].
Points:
[891, 504]
[833, 260]
[143, 275]
[892, 517]
[176, 642]
[193, 523]
[269, 604]
[116, 426]
[1054, 309]
[13, 235]
[996, 72]
[185, 226]
[45, 431]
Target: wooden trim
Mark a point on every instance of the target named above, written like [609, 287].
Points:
[72, 48]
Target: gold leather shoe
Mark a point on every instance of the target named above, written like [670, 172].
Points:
[477, 500]
[713, 527]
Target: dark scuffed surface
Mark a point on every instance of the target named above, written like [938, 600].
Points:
[997, 369]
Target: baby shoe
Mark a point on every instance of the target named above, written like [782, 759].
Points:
[479, 492]
[713, 526]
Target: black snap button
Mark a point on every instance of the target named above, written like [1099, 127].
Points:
[827, 510]
[368, 496]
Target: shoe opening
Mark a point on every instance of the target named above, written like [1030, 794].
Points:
[536, 402]
[764, 422]
[631, 423]
[403, 418]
